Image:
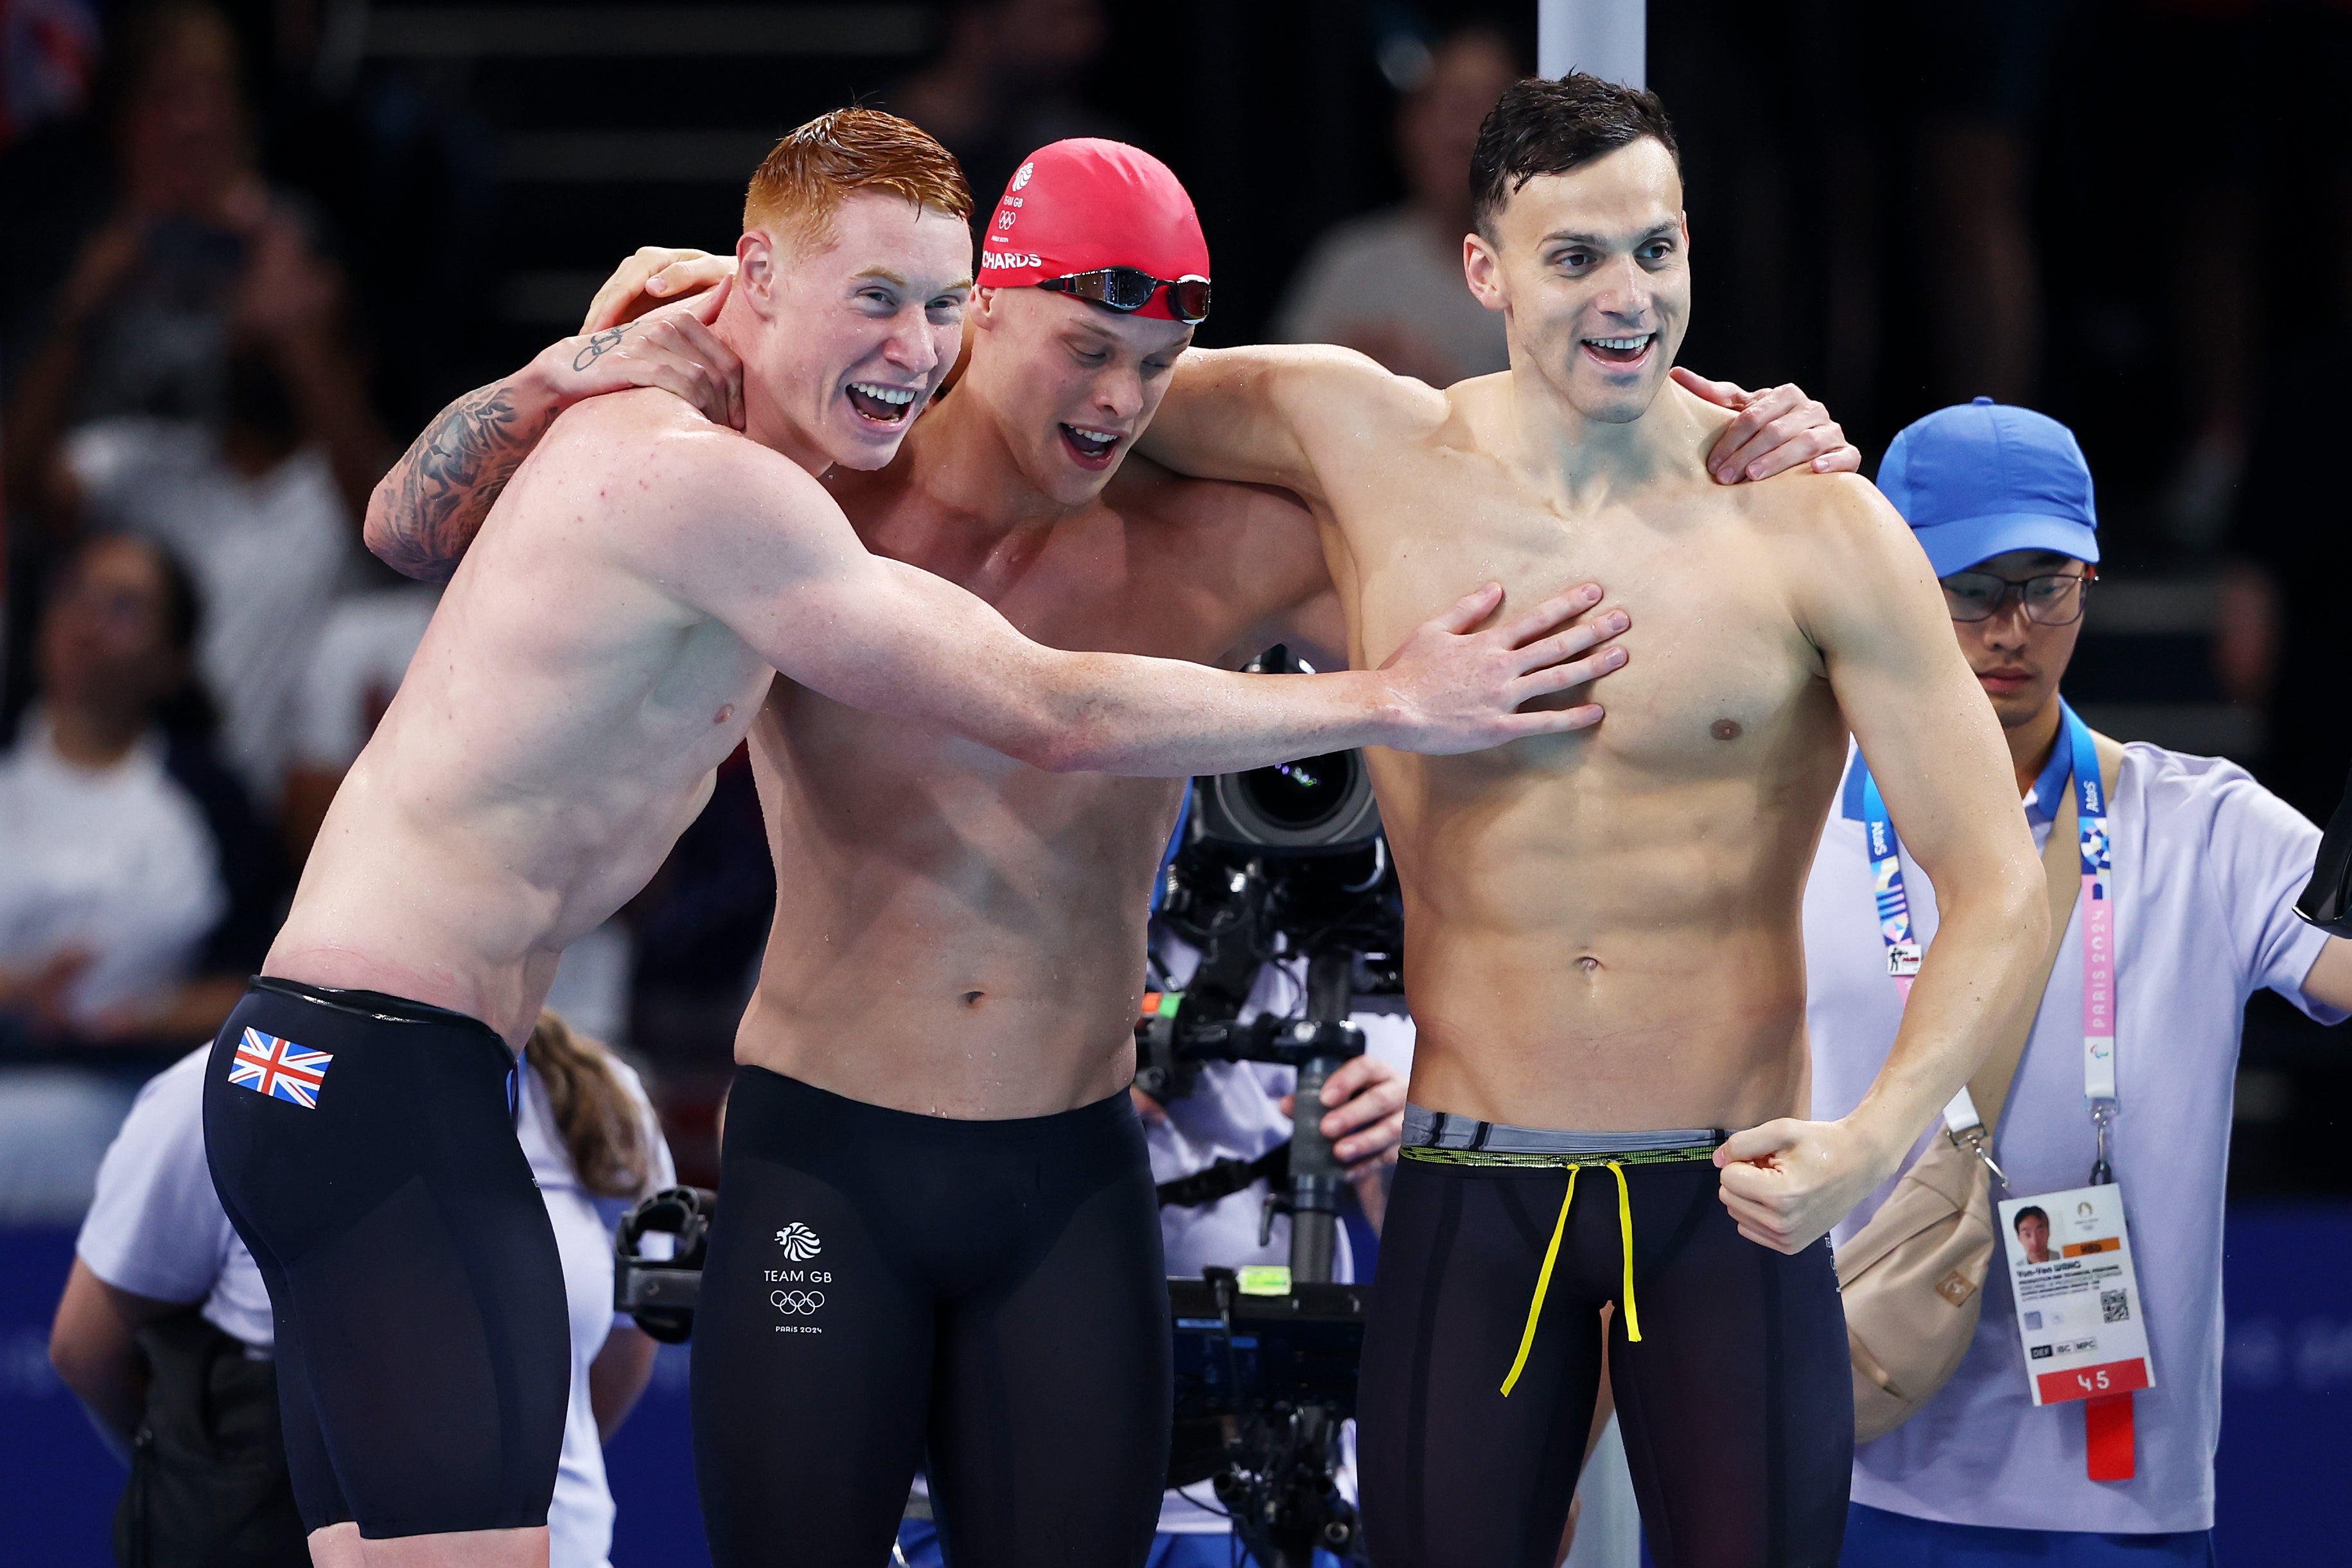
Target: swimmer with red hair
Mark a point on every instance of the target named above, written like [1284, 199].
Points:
[612, 636]
[933, 1072]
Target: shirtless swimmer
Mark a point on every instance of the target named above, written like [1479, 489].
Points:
[999, 916]
[1603, 948]
[610, 640]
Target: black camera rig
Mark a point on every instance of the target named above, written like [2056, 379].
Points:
[1263, 1382]
[661, 1294]
[1282, 863]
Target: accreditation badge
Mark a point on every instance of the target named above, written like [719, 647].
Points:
[2078, 1300]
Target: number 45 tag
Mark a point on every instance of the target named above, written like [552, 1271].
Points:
[2078, 1302]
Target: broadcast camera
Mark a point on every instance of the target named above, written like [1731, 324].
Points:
[1278, 864]
[1281, 863]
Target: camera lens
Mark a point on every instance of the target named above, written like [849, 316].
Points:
[1304, 795]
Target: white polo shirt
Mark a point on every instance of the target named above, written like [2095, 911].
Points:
[2207, 866]
[157, 1230]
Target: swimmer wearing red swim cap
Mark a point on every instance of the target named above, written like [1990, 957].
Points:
[1102, 222]
[969, 946]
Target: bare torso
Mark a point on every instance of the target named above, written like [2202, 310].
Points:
[556, 732]
[956, 933]
[1603, 928]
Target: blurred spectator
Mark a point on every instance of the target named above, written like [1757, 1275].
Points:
[136, 890]
[195, 387]
[1009, 80]
[1982, 71]
[2214, 294]
[1391, 283]
[140, 309]
[49, 49]
[258, 517]
[1937, 108]
[260, 509]
[165, 1300]
[196, 252]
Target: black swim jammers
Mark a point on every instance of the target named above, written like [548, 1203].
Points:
[881, 1286]
[1483, 1355]
[364, 1148]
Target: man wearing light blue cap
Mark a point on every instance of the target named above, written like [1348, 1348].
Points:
[2197, 867]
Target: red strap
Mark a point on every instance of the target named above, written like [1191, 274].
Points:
[2107, 1423]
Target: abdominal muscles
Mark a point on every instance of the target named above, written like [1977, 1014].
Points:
[1587, 959]
[956, 933]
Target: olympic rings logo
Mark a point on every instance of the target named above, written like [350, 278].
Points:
[790, 1302]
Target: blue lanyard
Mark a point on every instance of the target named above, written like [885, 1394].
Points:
[1903, 948]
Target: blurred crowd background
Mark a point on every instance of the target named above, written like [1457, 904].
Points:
[250, 247]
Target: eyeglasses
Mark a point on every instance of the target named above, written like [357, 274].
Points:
[1129, 288]
[2053, 599]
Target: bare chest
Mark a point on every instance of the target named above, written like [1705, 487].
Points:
[1102, 583]
[1718, 672]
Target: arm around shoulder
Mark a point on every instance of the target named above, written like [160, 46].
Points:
[1256, 415]
[425, 513]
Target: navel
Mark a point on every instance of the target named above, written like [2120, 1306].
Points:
[1589, 964]
[1725, 730]
[971, 998]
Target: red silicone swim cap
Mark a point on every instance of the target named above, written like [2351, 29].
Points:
[1087, 204]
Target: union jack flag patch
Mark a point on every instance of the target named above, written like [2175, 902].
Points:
[280, 1069]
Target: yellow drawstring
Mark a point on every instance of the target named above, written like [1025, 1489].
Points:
[1543, 1284]
[1551, 1255]
[1625, 1228]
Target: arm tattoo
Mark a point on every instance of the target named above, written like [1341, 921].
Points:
[608, 338]
[433, 500]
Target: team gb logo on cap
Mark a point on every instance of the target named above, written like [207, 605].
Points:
[1022, 178]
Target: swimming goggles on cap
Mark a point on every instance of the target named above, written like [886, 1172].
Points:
[1129, 288]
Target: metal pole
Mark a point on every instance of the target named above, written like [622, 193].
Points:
[1605, 37]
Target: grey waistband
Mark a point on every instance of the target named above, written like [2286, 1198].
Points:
[1426, 1129]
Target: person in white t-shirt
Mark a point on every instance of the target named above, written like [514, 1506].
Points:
[156, 1240]
[2206, 866]
[1389, 283]
[137, 890]
[110, 877]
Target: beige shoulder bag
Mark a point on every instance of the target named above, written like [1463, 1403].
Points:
[1914, 1276]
